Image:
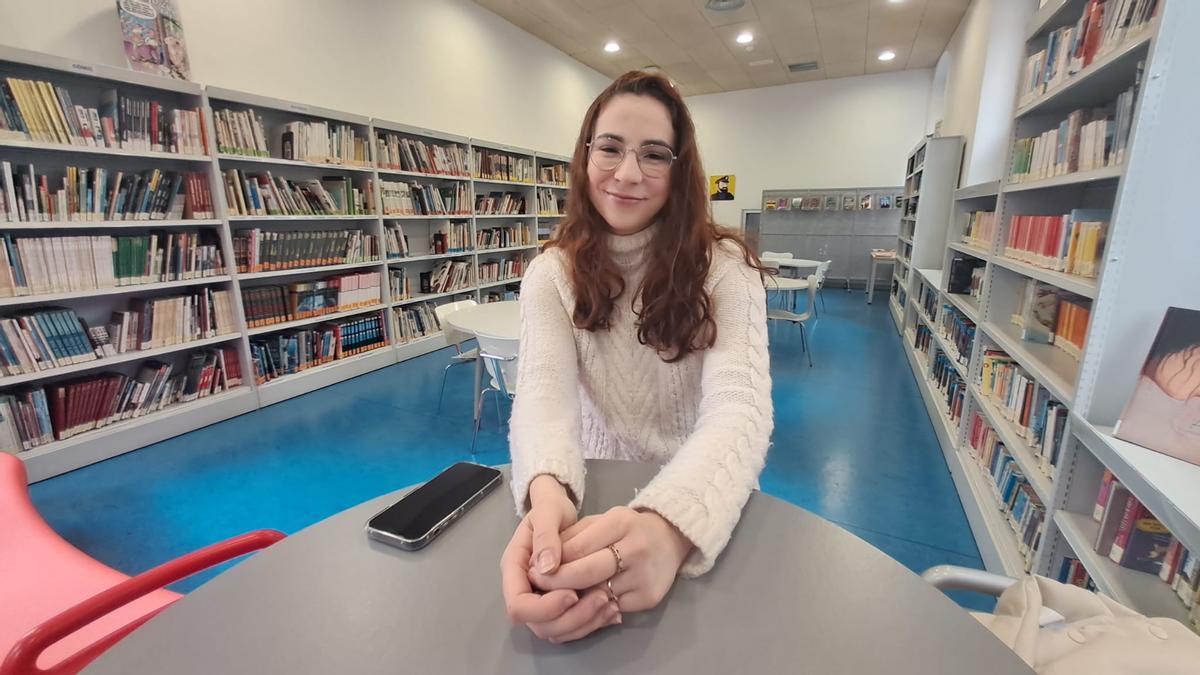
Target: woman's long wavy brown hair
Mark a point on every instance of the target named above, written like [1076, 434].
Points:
[675, 313]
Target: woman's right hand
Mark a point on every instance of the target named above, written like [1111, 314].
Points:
[561, 615]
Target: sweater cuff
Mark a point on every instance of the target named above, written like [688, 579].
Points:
[570, 474]
[708, 529]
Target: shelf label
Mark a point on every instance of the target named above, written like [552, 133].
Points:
[83, 66]
[299, 107]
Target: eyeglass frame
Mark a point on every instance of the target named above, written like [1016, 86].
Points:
[637, 157]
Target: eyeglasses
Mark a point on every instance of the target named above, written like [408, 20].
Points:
[653, 160]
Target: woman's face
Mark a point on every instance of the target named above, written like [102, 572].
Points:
[627, 198]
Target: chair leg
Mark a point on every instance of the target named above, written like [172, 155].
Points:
[804, 342]
[821, 294]
[499, 417]
[442, 395]
[478, 414]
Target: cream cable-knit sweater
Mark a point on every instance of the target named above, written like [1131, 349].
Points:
[706, 419]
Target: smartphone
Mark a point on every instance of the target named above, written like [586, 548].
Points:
[422, 514]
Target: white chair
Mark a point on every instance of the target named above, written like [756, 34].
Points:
[454, 338]
[801, 319]
[822, 271]
[952, 577]
[500, 359]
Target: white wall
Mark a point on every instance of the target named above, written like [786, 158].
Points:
[846, 132]
[981, 64]
[447, 64]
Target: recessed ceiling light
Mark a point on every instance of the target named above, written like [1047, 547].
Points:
[612, 46]
[895, 2]
[887, 55]
[763, 62]
[745, 37]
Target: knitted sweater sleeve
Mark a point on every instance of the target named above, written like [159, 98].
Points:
[703, 488]
[545, 430]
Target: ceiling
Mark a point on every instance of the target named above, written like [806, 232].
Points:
[697, 47]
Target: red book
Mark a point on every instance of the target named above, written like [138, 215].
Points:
[1133, 511]
[1092, 34]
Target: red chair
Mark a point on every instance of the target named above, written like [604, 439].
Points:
[61, 607]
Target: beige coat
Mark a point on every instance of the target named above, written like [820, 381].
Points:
[1099, 636]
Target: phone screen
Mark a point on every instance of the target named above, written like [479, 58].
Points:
[422, 509]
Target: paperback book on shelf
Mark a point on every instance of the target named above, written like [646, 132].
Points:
[98, 194]
[1163, 414]
[393, 151]
[258, 250]
[290, 352]
[153, 37]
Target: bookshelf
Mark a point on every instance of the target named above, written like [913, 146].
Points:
[366, 151]
[554, 182]
[1145, 264]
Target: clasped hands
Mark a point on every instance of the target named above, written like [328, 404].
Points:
[556, 573]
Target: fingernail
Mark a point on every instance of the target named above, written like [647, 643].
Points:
[545, 562]
[615, 620]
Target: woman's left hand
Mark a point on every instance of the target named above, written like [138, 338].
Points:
[651, 552]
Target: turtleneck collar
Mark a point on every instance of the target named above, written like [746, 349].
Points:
[629, 250]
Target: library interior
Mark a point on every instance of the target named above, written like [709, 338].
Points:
[612, 336]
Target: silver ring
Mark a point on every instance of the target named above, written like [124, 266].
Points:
[617, 558]
[611, 595]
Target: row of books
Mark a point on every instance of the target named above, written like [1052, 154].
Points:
[980, 229]
[101, 194]
[393, 151]
[1083, 141]
[150, 323]
[450, 237]
[270, 305]
[1049, 315]
[508, 295]
[495, 165]
[448, 275]
[62, 410]
[414, 199]
[399, 286]
[1033, 412]
[240, 132]
[287, 353]
[554, 174]
[323, 143]
[1072, 572]
[413, 322]
[41, 111]
[503, 237]
[395, 242]
[512, 267]
[500, 203]
[966, 275]
[958, 330]
[36, 265]
[928, 296]
[1025, 512]
[258, 250]
[550, 203]
[1070, 243]
[951, 385]
[265, 195]
[1102, 27]
[1133, 538]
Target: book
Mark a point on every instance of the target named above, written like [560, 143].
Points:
[404, 153]
[1038, 315]
[323, 142]
[783, 204]
[848, 202]
[412, 322]
[415, 198]
[980, 228]
[500, 203]
[1145, 544]
[261, 250]
[99, 194]
[511, 267]
[1106, 484]
[1070, 331]
[153, 37]
[263, 194]
[240, 132]
[885, 201]
[831, 203]
[496, 165]
[811, 204]
[1070, 243]
[290, 352]
[1163, 412]
[866, 201]
[1033, 412]
[551, 202]
[797, 203]
[518, 234]
[554, 174]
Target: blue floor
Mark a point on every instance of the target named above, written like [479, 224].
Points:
[852, 443]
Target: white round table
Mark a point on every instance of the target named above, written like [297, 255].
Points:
[786, 285]
[797, 262]
[493, 319]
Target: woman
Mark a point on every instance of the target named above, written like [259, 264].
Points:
[643, 337]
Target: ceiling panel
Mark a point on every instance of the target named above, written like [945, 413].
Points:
[697, 47]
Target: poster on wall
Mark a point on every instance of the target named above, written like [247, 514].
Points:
[721, 188]
[153, 37]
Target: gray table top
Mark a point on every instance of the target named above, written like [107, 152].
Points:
[791, 593]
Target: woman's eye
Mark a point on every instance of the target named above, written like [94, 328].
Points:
[656, 156]
[611, 150]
